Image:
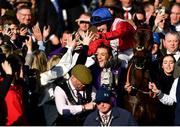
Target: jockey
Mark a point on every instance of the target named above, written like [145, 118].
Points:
[120, 34]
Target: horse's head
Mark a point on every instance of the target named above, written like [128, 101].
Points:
[142, 49]
[138, 72]
[144, 38]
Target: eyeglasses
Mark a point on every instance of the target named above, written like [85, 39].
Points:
[174, 13]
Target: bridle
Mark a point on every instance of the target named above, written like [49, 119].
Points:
[133, 86]
[139, 65]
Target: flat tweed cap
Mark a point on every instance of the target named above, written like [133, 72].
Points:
[82, 73]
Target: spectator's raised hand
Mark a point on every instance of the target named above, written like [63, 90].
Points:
[78, 41]
[87, 37]
[28, 43]
[159, 18]
[7, 67]
[23, 31]
[46, 31]
[7, 32]
[70, 42]
[37, 32]
[54, 40]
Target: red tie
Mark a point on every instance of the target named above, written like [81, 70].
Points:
[126, 14]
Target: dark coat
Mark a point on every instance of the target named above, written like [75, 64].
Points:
[47, 15]
[120, 117]
[164, 83]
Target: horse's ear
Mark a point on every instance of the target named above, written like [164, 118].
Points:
[149, 41]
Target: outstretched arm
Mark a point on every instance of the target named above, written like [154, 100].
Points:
[63, 66]
[164, 98]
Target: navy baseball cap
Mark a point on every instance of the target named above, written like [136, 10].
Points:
[103, 95]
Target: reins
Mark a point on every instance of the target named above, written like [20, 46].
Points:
[133, 87]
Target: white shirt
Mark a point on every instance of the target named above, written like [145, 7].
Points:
[63, 105]
[171, 98]
[59, 70]
[177, 27]
[108, 115]
[176, 55]
[127, 9]
[107, 121]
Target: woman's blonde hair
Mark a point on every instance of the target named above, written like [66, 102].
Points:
[6, 49]
[53, 61]
[39, 61]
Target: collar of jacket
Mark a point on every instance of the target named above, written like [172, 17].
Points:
[114, 114]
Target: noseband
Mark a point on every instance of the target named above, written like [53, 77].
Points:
[139, 61]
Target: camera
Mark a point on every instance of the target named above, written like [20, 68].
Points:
[25, 37]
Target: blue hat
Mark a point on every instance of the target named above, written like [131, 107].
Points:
[101, 15]
[103, 95]
[156, 38]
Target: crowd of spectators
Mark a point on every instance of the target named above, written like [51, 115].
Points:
[65, 62]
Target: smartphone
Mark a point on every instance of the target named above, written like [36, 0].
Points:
[73, 35]
[23, 38]
[22, 26]
[162, 11]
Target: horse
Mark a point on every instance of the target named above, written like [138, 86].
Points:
[140, 101]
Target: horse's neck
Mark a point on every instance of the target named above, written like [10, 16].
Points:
[138, 77]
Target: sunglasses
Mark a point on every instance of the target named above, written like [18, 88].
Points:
[81, 22]
[98, 103]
